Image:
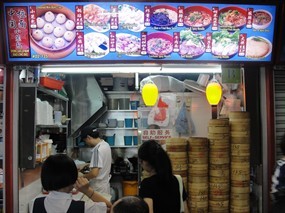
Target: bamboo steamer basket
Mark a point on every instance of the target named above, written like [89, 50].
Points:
[240, 121]
[219, 205]
[218, 197]
[219, 146]
[199, 185]
[219, 149]
[239, 127]
[219, 154]
[219, 173]
[240, 140]
[198, 204]
[219, 166]
[196, 198]
[223, 187]
[240, 165]
[213, 179]
[177, 155]
[198, 154]
[216, 136]
[179, 167]
[239, 115]
[240, 159]
[219, 129]
[240, 147]
[198, 141]
[240, 196]
[244, 183]
[219, 122]
[239, 176]
[195, 167]
[239, 209]
[199, 210]
[197, 179]
[198, 173]
[197, 191]
[237, 189]
[239, 202]
[192, 160]
[176, 144]
[219, 160]
[240, 153]
[198, 149]
[240, 134]
[219, 142]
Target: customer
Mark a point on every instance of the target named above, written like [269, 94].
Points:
[161, 189]
[130, 204]
[101, 161]
[278, 182]
[58, 177]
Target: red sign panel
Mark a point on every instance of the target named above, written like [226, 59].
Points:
[18, 32]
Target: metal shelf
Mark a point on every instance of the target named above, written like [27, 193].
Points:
[117, 128]
[51, 126]
[44, 90]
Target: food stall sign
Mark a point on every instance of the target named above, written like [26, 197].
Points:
[138, 31]
[156, 134]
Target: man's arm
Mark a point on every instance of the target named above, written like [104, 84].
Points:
[92, 174]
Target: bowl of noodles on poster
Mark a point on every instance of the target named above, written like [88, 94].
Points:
[159, 45]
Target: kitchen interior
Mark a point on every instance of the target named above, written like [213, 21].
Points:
[112, 101]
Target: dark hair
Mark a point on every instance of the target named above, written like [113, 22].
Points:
[131, 204]
[156, 156]
[58, 171]
[91, 131]
[282, 144]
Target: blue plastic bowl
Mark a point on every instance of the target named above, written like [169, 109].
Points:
[135, 140]
[110, 140]
[129, 122]
[128, 140]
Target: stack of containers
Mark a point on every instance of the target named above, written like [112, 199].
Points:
[177, 151]
[219, 165]
[198, 150]
[240, 162]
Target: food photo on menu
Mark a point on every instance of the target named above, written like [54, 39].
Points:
[54, 35]
[197, 17]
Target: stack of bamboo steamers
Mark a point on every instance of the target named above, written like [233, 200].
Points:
[198, 174]
[216, 169]
[177, 152]
[219, 161]
[240, 162]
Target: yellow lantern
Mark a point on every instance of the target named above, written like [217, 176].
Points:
[149, 94]
[213, 92]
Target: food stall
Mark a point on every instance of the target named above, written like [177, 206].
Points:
[140, 38]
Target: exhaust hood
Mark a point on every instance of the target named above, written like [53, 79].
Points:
[87, 101]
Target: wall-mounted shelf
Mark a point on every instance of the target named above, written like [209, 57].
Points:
[52, 126]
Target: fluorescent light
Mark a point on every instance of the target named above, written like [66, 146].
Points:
[193, 68]
[135, 68]
[101, 69]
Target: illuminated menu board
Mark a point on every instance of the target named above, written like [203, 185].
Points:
[139, 31]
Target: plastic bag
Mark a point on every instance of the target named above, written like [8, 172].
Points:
[181, 123]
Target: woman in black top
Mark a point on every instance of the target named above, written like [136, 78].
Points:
[161, 189]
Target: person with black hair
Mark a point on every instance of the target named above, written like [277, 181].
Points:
[161, 190]
[101, 160]
[278, 182]
[130, 204]
[59, 176]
